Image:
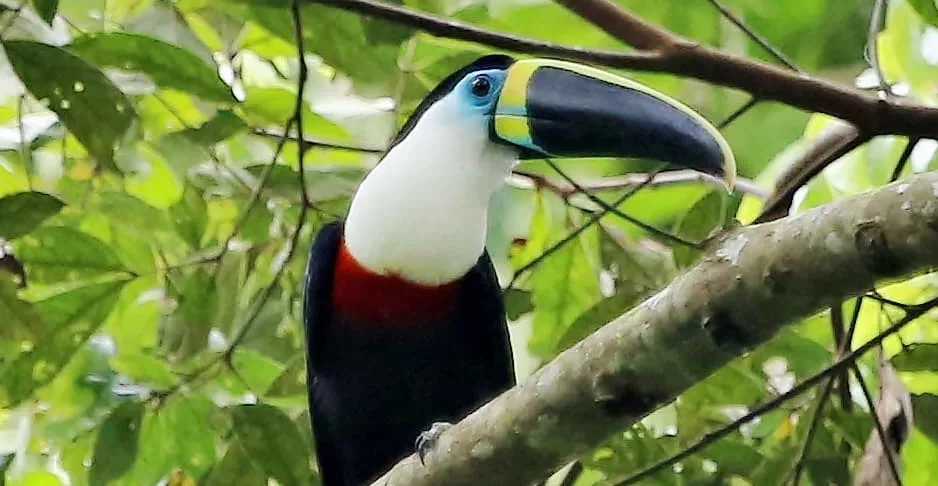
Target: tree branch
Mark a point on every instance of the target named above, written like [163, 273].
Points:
[663, 51]
[834, 143]
[752, 34]
[751, 282]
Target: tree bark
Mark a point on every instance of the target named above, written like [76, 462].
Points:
[750, 283]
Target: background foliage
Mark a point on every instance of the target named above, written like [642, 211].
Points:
[150, 283]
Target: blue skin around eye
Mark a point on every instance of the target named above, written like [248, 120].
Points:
[475, 105]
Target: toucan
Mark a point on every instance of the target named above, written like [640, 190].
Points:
[404, 318]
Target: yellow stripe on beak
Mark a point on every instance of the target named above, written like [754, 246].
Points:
[514, 129]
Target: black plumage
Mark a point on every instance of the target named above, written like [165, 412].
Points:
[374, 389]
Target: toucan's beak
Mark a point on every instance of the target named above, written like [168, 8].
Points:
[556, 108]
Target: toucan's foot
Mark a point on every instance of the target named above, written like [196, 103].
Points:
[426, 440]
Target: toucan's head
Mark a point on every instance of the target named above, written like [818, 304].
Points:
[552, 108]
[464, 137]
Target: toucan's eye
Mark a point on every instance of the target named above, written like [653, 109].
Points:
[481, 86]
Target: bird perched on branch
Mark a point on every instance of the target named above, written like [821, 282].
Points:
[405, 324]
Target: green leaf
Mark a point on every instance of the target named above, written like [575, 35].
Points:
[925, 411]
[144, 369]
[803, 356]
[230, 281]
[565, 283]
[115, 449]
[927, 9]
[89, 105]
[276, 105]
[235, 468]
[292, 380]
[707, 214]
[340, 37]
[22, 212]
[75, 456]
[223, 125]
[190, 216]
[831, 469]
[169, 66]
[181, 435]
[324, 185]
[917, 357]
[904, 48]
[190, 429]
[918, 459]
[54, 254]
[257, 371]
[38, 478]
[597, 316]
[70, 319]
[46, 9]
[187, 329]
[517, 303]
[272, 440]
[734, 457]
[132, 214]
[21, 319]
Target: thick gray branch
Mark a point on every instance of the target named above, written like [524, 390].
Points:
[751, 282]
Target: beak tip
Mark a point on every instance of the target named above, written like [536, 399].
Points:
[726, 170]
[724, 173]
[729, 172]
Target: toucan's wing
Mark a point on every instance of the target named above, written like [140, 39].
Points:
[320, 269]
[488, 334]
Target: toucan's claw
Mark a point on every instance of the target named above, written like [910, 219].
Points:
[427, 439]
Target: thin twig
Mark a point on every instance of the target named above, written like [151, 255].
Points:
[206, 150]
[846, 401]
[576, 232]
[301, 219]
[205, 260]
[813, 426]
[758, 39]
[26, 151]
[842, 344]
[309, 143]
[255, 194]
[448, 28]
[912, 312]
[616, 211]
[904, 159]
[826, 150]
[875, 295]
[227, 354]
[301, 85]
[877, 21]
[265, 294]
[738, 113]
[878, 424]
[405, 67]
[681, 176]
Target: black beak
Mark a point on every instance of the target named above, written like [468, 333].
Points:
[560, 109]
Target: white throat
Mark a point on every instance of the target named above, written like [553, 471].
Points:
[421, 213]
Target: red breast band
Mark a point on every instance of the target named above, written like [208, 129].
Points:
[387, 299]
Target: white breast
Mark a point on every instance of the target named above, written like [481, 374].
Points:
[421, 213]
